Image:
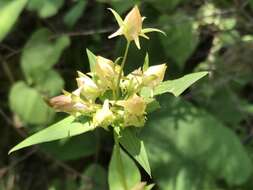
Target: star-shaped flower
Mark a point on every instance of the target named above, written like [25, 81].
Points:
[131, 26]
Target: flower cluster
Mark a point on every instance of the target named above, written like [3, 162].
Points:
[96, 97]
[106, 95]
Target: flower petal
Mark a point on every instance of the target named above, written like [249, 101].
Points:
[137, 42]
[148, 30]
[117, 33]
[117, 17]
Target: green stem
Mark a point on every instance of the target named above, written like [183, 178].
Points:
[121, 68]
[119, 162]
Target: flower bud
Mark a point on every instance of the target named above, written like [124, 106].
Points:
[105, 70]
[134, 105]
[104, 116]
[88, 87]
[133, 23]
[61, 103]
[131, 27]
[132, 83]
[70, 104]
[154, 75]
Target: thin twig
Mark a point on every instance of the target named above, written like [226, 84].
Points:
[83, 33]
[7, 70]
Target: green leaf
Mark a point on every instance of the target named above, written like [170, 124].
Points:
[45, 51]
[182, 39]
[9, 13]
[67, 127]
[50, 84]
[45, 8]
[129, 170]
[146, 62]
[188, 147]
[28, 104]
[73, 148]
[92, 60]
[75, 13]
[135, 147]
[98, 176]
[178, 86]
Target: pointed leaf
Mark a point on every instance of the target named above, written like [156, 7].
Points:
[92, 59]
[9, 13]
[67, 127]
[129, 170]
[135, 147]
[178, 86]
[146, 62]
[75, 13]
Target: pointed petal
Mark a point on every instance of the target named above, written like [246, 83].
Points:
[137, 43]
[144, 36]
[117, 33]
[117, 17]
[147, 30]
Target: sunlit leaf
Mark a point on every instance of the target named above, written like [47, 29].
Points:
[46, 52]
[65, 128]
[135, 147]
[188, 147]
[50, 84]
[182, 38]
[178, 86]
[146, 62]
[129, 170]
[28, 104]
[9, 13]
[92, 59]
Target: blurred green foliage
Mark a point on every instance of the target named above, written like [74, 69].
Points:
[200, 141]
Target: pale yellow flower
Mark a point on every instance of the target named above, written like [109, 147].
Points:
[154, 75]
[131, 26]
[104, 116]
[88, 87]
[132, 82]
[134, 105]
[105, 70]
